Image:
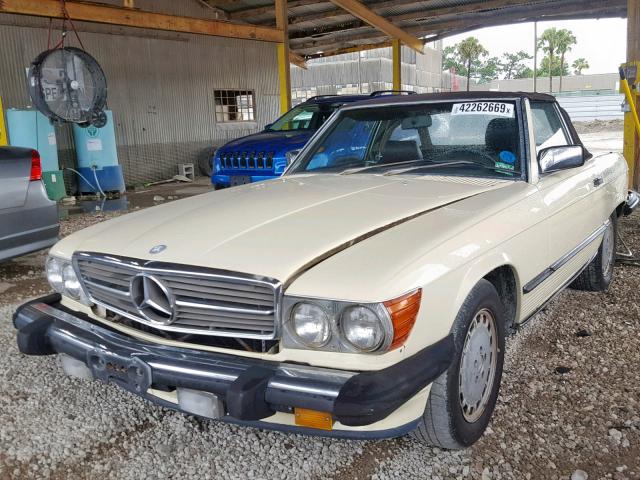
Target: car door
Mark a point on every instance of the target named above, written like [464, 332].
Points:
[567, 196]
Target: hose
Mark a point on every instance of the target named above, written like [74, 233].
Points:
[85, 179]
[95, 175]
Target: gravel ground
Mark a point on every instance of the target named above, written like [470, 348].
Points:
[569, 406]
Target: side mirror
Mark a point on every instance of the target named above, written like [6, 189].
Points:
[560, 158]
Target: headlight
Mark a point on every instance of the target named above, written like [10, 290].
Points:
[362, 328]
[350, 327]
[72, 285]
[54, 268]
[291, 156]
[310, 324]
[62, 277]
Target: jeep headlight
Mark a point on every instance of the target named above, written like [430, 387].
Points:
[64, 280]
[291, 156]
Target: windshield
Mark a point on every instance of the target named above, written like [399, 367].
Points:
[477, 138]
[304, 117]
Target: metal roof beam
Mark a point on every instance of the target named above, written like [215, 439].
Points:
[113, 15]
[565, 10]
[359, 10]
[270, 10]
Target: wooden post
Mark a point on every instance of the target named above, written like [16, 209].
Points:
[284, 68]
[631, 142]
[396, 54]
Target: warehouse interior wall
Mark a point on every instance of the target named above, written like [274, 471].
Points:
[160, 88]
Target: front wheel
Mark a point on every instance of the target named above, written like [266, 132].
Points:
[462, 399]
[597, 276]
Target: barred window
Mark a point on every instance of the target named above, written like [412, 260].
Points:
[234, 105]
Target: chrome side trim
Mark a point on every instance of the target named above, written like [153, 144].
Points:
[556, 293]
[554, 267]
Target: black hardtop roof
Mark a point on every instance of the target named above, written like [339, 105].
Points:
[452, 96]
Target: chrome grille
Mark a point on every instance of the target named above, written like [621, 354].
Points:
[206, 301]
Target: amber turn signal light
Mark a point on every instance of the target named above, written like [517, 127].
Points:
[403, 312]
[313, 419]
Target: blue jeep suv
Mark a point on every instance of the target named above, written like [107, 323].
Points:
[265, 155]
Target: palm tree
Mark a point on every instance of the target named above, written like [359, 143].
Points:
[470, 50]
[548, 42]
[566, 40]
[579, 65]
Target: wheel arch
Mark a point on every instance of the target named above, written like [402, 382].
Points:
[499, 270]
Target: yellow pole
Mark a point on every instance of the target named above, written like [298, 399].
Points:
[284, 68]
[630, 100]
[396, 55]
[631, 135]
[4, 138]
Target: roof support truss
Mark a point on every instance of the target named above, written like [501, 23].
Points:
[359, 10]
[129, 17]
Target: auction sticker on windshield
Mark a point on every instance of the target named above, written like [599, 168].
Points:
[499, 109]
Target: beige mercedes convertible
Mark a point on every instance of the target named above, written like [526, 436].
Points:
[365, 294]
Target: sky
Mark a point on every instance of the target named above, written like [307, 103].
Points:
[602, 42]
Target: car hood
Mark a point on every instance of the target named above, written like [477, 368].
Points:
[268, 141]
[277, 228]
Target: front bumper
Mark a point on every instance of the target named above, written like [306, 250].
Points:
[252, 390]
[632, 202]
[225, 180]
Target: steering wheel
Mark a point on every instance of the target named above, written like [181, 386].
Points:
[464, 154]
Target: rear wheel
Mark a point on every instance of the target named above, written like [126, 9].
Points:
[599, 273]
[463, 398]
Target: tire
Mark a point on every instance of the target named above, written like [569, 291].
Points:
[599, 273]
[205, 161]
[446, 423]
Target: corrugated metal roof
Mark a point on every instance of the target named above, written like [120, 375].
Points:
[320, 26]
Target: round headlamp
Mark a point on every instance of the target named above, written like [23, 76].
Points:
[54, 273]
[310, 323]
[72, 285]
[362, 328]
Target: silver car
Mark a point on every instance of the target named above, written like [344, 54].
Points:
[28, 219]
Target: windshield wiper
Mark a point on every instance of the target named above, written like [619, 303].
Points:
[449, 164]
[383, 166]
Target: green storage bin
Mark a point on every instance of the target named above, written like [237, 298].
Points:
[54, 184]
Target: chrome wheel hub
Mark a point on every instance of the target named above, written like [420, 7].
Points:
[607, 250]
[478, 365]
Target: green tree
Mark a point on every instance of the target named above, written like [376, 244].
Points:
[451, 59]
[556, 69]
[489, 70]
[513, 64]
[548, 43]
[566, 40]
[470, 50]
[526, 72]
[579, 65]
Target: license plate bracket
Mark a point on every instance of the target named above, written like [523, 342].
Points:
[130, 373]
[236, 180]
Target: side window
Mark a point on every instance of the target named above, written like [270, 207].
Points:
[547, 125]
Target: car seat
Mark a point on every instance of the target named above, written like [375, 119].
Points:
[400, 151]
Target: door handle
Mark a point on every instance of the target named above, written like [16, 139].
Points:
[598, 181]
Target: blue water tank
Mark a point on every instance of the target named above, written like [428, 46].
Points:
[96, 151]
[31, 129]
